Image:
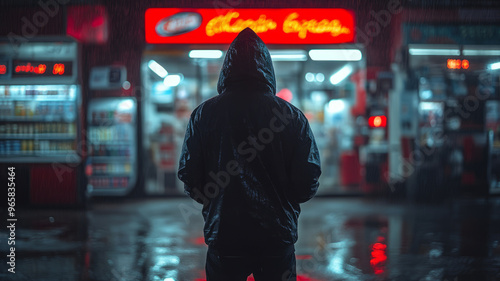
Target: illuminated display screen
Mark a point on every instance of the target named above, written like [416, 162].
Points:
[457, 64]
[377, 121]
[274, 26]
[42, 68]
[4, 68]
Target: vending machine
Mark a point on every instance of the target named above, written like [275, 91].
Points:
[112, 146]
[40, 105]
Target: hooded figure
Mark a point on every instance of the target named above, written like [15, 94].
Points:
[250, 158]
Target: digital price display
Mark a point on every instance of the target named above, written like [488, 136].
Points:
[4, 68]
[42, 68]
[457, 64]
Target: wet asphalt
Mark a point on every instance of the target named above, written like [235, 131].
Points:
[161, 239]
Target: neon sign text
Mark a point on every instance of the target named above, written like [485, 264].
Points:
[274, 26]
[223, 24]
[334, 27]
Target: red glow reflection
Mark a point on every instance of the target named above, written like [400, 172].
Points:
[379, 256]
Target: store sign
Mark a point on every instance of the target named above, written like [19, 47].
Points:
[41, 68]
[274, 26]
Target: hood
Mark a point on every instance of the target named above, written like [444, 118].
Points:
[247, 66]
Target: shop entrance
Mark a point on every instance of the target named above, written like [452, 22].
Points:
[322, 82]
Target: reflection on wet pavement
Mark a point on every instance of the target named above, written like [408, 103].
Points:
[339, 239]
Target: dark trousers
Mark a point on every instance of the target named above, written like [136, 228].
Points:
[279, 266]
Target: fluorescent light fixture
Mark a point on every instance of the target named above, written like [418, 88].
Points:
[172, 80]
[288, 55]
[335, 55]
[205, 54]
[470, 52]
[495, 66]
[157, 68]
[340, 75]
[336, 106]
[309, 77]
[434, 52]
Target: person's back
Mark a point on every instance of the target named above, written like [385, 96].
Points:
[250, 158]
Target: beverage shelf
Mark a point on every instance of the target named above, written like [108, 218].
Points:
[49, 157]
[110, 158]
[54, 136]
[37, 119]
[39, 98]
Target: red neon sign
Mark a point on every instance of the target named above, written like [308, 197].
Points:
[41, 68]
[58, 69]
[457, 64]
[274, 26]
[28, 68]
[377, 121]
[3, 69]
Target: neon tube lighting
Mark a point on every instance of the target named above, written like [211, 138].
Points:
[172, 80]
[205, 54]
[469, 52]
[157, 68]
[335, 55]
[434, 52]
[495, 66]
[340, 75]
[288, 55]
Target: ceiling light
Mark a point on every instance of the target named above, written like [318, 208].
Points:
[434, 52]
[205, 54]
[469, 52]
[172, 80]
[335, 55]
[340, 75]
[495, 66]
[157, 68]
[288, 55]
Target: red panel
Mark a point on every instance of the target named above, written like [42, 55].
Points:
[350, 170]
[274, 26]
[53, 184]
[88, 24]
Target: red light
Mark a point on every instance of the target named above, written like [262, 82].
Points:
[40, 69]
[465, 64]
[285, 94]
[274, 26]
[378, 257]
[457, 64]
[58, 69]
[377, 121]
[3, 69]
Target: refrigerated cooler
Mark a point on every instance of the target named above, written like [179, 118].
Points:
[40, 102]
[112, 156]
[454, 86]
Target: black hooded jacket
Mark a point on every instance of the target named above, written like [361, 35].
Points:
[249, 156]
